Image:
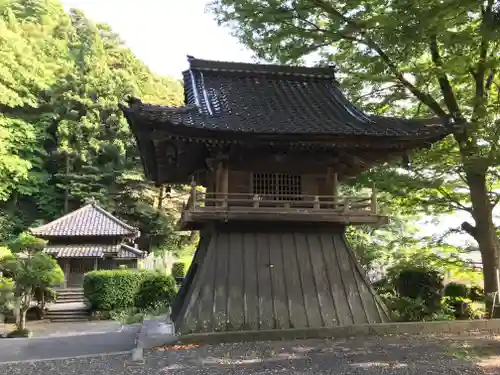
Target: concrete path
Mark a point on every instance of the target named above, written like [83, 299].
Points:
[69, 344]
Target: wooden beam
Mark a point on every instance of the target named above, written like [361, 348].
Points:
[224, 182]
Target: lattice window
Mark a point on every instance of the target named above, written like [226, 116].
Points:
[277, 186]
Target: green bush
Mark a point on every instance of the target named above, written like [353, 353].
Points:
[112, 289]
[459, 306]
[407, 309]
[178, 270]
[6, 294]
[476, 310]
[44, 296]
[476, 294]
[456, 290]
[383, 286]
[420, 284]
[155, 288]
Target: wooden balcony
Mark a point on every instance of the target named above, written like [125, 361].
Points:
[203, 208]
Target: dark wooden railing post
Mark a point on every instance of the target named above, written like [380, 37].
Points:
[255, 201]
[347, 203]
[335, 188]
[316, 203]
[374, 199]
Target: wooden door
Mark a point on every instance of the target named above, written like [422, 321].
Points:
[78, 267]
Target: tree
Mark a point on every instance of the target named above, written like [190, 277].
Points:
[63, 139]
[29, 269]
[418, 57]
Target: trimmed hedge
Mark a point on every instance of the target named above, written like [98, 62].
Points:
[112, 289]
[156, 288]
[124, 288]
[421, 284]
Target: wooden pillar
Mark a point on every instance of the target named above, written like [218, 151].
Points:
[222, 181]
[67, 270]
[193, 198]
[96, 260]
[332, 184]
[374, 205]
[225, 183]
[335, 184]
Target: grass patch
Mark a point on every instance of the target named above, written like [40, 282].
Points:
[135, 315]
[474, 351]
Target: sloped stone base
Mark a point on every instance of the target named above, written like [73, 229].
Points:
[265, 278]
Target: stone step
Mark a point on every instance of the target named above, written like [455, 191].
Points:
[69, 292]
[68, 319]
[67, 311]
[66, 296]
[60, 302]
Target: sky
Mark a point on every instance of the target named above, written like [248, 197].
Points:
[163, 32]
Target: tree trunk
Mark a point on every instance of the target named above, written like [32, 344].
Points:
[22, 318]
[66, 186]
[484, 231]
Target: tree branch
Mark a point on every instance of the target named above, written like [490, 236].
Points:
[368, 41]
[377, 91]
[480, 72]
[469, 228]
[444, 83]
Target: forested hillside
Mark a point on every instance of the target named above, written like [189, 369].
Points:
[63, 139]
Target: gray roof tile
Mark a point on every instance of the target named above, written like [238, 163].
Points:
[94, 251]
[272, 99]
[89, 220]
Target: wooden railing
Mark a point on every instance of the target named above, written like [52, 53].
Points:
[346, 204]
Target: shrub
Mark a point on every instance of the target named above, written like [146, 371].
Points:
[383, 286]
[456, 290]
[178, 270]
[111, 289]
[476, 294]
[476, 310]
[6, 294]
[156, 288]
[407, 309]
[44, 296]
[34, 313]
[420, 284]
[459, 306]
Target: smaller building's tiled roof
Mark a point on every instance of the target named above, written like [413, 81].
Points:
[80, 251]
[89, 220]
[94, 251]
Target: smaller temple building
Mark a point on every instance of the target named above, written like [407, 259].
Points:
[88, 239]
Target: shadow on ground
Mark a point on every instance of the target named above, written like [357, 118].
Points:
[390, 355]
[376, 355]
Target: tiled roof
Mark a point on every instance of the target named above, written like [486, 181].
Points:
[89, 220]
[80, 251]
[271, 99]
[93, 251]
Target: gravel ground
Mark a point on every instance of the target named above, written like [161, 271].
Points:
[377, 356]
